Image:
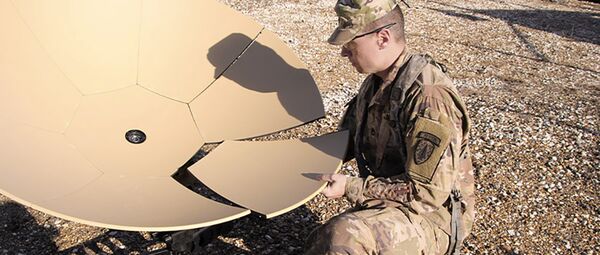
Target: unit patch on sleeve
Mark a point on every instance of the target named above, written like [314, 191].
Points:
[426, 146]
[426, 143]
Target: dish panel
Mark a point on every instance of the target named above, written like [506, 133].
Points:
[141, 204]
[38, 165]
[267, 90]
[95, 43]
[271, 177]
[175, 38]
[32, 88]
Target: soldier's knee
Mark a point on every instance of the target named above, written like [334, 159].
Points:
[344, 234]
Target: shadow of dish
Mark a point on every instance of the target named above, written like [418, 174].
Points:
[114, 242]
[280, 235]
[21, 234]
[262, 69]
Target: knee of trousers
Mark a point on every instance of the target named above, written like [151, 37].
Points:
[387, 231]
[349, 228]
[343, 234]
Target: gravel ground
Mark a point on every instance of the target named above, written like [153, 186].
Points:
[530, 74]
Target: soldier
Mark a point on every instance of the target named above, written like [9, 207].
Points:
[409, 135]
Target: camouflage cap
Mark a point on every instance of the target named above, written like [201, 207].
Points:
[354, 15]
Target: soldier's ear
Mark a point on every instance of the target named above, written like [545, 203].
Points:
[383, 38]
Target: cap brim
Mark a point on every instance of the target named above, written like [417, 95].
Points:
[341, 36]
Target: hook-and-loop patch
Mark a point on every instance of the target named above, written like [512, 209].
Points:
[427, 143]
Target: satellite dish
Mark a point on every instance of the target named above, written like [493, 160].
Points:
[102, 101]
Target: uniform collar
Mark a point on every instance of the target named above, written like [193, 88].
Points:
[389, 78]
[395, 67]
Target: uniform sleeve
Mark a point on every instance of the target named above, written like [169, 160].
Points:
[431, 143]
[433, 146]
[395, 189]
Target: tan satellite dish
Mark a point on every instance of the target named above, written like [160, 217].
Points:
[102, 101]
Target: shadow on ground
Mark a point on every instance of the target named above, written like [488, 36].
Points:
[284, 234]
[256, 235]
[579, 26]
[116, 242]
[16, 223]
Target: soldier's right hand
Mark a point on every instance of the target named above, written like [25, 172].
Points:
[336, 185]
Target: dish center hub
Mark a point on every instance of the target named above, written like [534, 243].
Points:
[135, 136]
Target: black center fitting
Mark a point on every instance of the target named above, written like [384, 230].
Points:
[135, 136]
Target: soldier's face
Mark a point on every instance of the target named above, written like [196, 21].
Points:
[362, 53]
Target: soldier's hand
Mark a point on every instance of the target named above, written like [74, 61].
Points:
[336, 185]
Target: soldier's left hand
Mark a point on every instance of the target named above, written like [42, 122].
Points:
[336, 185]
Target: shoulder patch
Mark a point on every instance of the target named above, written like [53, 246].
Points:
[427, 145]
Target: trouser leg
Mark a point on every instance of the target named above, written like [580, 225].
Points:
[376, 231]
[344, 234]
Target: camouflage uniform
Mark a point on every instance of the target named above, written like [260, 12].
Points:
[409, 165]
